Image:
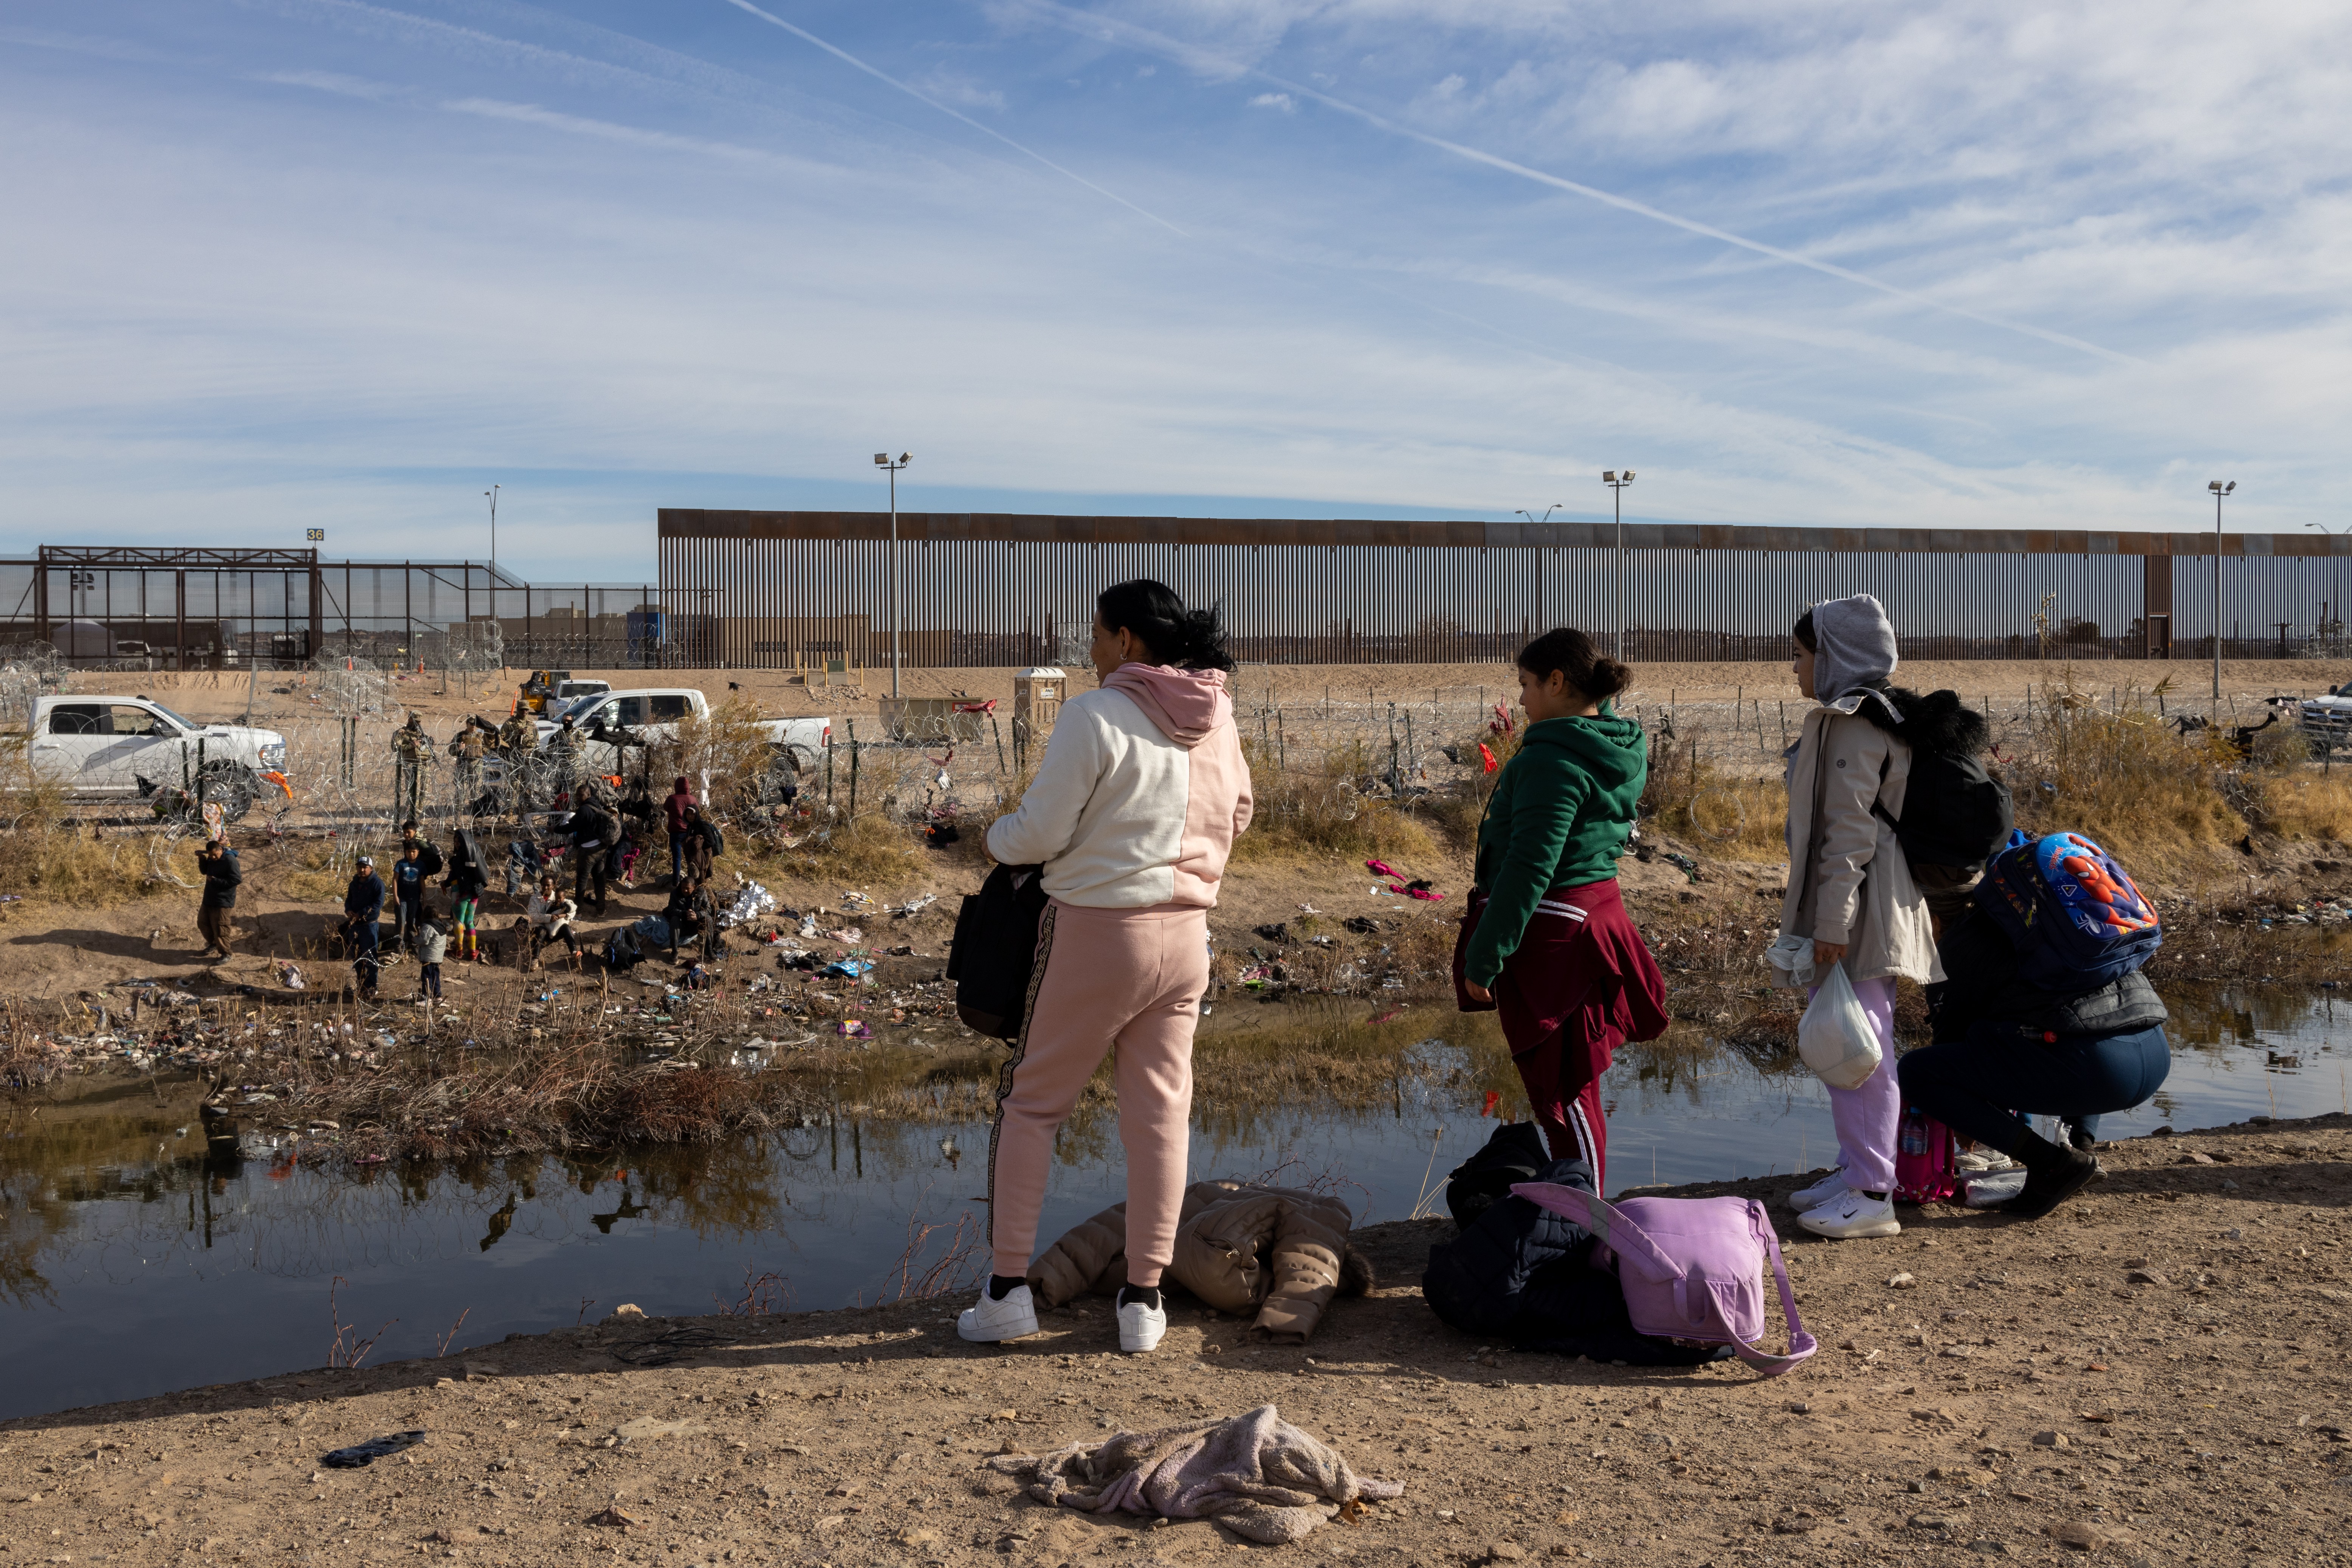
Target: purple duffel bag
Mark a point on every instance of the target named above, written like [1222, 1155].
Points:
[1692, 1268]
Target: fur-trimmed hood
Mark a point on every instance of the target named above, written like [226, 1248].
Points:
[1937, 722]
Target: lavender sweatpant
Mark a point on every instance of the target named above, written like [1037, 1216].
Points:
[1132, 978]
[1869, 1116]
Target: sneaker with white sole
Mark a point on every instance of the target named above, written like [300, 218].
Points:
[1828, 1188]
[1140, 1328]
[1010, 1319]
[1851, 1217]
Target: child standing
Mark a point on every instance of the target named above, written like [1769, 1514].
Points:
[432, 946]
[408, 891]
[1849, 888]
[1547, 940]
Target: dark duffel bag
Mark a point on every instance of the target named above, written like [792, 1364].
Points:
[995, 954]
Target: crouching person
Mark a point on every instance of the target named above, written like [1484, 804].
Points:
[2006, 1049]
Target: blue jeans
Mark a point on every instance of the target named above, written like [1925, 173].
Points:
[676, 857]
[1977, 1087]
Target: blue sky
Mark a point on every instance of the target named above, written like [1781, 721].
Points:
[277, 264]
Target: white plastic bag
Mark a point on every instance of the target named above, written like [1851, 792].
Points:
[1834, 1037]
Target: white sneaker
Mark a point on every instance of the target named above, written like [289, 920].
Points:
[1140, 1328]
[990, 1321]
[1852, 1216]
[1828, 1187]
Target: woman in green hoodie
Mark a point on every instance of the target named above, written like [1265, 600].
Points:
[1546, 940]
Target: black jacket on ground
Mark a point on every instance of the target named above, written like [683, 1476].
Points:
[1523, 1273]
[223, 875]
[1982, 983]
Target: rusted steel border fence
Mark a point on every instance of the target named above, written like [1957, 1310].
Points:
[765, 589]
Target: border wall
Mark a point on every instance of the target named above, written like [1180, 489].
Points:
[776, 589]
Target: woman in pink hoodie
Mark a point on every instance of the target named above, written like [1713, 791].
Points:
[1137, 804]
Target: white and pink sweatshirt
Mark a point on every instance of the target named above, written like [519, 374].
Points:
[1142, 793]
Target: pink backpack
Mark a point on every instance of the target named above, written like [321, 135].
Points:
[1923, 1158]
[1692, 1268]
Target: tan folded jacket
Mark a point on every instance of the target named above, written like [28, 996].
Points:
[1238, 1246]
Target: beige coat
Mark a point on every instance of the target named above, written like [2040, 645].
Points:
[1279, 1251]
[1848, 880]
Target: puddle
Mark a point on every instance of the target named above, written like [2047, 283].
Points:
[135, 1258]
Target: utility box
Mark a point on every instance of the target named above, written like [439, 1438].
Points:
[1037, 695]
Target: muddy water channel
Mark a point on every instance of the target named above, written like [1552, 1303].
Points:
[137, 1256]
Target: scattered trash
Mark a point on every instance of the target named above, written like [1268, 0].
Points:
[1362, 925]
[751, 901]
[855, 1030]
[846, 934]
[848, 968]
[1278, 931]
[291, 976]
[368, 1453]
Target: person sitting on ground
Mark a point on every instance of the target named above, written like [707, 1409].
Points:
[2004, 1047]
[696, 977]
[551, 916]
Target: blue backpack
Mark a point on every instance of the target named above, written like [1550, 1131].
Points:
[2074, 915]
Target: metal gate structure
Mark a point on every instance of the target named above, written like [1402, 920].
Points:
[197, 608]
[766, 589]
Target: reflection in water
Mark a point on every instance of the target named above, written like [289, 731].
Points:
[143, 1253]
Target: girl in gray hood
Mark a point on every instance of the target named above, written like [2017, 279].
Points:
[1849, 888]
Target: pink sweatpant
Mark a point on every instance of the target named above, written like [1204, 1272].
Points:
[1132, 978]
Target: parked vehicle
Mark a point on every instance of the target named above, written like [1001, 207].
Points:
[654, 714]
[128, 748]
[2327, 721]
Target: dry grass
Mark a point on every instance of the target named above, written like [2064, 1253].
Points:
[48, 858]
[1324, 809]
[867, 851]
[2153, 796]
[2306, 805]
[1689, 797]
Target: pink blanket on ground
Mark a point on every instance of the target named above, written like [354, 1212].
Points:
[1257, 1473]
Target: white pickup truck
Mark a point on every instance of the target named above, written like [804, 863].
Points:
[126, 748]
[2327, 721]
[652, 713]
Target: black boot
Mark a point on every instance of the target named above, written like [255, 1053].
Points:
[2052, 1176]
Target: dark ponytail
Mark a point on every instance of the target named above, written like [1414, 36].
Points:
[1803, 632]
[1570, 653]
[1190, 639]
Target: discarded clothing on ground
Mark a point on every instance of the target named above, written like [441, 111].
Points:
[1520, 1272]
[369, 1452]
[1278, 1250]
[1256, 1473]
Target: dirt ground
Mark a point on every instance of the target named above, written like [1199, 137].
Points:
[2154, 1375]
[215, 695]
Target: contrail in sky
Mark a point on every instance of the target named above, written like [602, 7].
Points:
[847, 58]
[1109, 30]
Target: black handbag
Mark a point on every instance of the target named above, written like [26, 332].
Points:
[993, 956]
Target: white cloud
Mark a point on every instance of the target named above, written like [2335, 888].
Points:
[1281, 100]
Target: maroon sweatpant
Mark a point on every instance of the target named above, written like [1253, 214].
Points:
[1579, 984]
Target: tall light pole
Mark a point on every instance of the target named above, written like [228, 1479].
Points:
[2218, 490]
[493, 494]
[1617, 483]
[882, 461]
